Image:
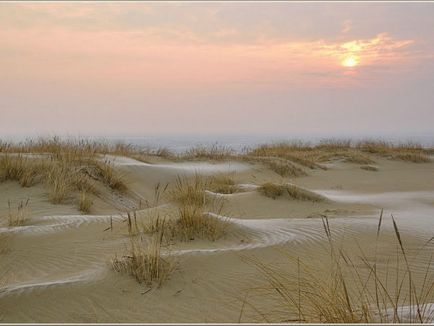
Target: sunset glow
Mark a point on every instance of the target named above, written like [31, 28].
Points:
[173, 61]
[350, 61]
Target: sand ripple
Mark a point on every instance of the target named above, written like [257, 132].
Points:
[61, 222]
[88, 275]
[262, 233]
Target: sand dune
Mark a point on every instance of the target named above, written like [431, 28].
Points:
[59, 261]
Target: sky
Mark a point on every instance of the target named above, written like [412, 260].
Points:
[136, 68]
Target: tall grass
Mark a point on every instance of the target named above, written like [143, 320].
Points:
[194, 222]
[360, 152]
[193, 205]
[73, 148]
[271, 190]
[155, 224]
[284, 167]
[58, 177]
[19, 215]
[214, 152]
[189, 191]
[223, 184]
[64, 171]
[274, 191]
[412, 157]
[21, 169]
[106, 172]
[351, 288]
[144, 261]
[85, 203]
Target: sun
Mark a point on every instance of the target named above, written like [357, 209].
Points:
[350, 61]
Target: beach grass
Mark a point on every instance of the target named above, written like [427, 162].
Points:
[64, 168]
[19, 215]
[85, 203]
[412, 157]
[283, 167]
[213, 152]
[194, 222]
[189, 191]
[193, 206]
[223, 183]
[361, 152]
[273, 190]
[349, 288]
[144, 260]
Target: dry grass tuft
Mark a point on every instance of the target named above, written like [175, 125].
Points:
[164, 153]
[305, 160]
[155, 224]
[83, 183]
[298, 193]
[284, 168]
[412, 157]
[214, 152]
[189, 191]
[85, 203]
[333, 145]
[58, 178]
[194, 222]
[64, 167]
[410, 152]
[108, 175]
[191, 222]
[17, 168]
[18, 216]
[274, 191]
[279, 149]
[271, 190]
[311, 156]
[144, 261]
[355, 157]
[374, 147]
[369, 168]
[350, 288]
[223, 184]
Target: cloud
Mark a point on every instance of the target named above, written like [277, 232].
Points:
[136, 64]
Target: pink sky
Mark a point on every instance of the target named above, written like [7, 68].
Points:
[143, 67]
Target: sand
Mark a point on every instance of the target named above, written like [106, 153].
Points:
[57, 266]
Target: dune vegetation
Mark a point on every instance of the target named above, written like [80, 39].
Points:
[79, 172]
[144, 260]
[223, 184]
[350, 287]
[65, 168]
[19, 215]
[193, 207]
[362, 152]
[28, 162]
[274, 191]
